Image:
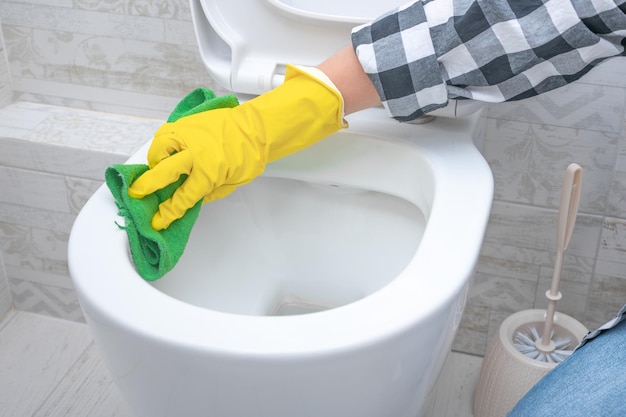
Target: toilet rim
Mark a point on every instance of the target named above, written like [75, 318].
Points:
[137, 306]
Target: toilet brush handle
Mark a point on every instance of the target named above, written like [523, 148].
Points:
[570, 198]
[568, 209]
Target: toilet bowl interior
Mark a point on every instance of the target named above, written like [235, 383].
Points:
[282, 246]
[322, 228]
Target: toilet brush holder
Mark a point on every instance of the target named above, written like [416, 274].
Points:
[506, 374]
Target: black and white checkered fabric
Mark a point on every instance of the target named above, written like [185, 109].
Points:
[428, 51]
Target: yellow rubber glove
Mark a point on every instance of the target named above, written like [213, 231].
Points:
[222, 149]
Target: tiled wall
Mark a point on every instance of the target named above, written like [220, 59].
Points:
[138, 57]
[6, 303]
[135, 58]
[5, 98]
[5, 77]
[126, 56]
[52, 160]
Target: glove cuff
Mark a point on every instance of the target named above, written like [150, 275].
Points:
[320, 76]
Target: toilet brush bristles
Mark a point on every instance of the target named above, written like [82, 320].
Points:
[526, 343]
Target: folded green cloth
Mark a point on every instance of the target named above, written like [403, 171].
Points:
[199, 100]
[154, 252]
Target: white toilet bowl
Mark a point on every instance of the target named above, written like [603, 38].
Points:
[332, 286]
[374, 238]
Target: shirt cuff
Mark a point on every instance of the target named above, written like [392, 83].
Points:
[397, 53]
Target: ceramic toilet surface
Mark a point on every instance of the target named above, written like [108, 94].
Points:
[347, 232]
[378, 244]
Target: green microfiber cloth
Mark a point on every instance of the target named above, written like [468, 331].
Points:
[154, 252]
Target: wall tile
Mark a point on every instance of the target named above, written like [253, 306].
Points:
[6, 94]
[39, 276]
[180, 32]
[501, 293]
[512, 253]
[97, 61]
[58, 3]
[18, 119]
[77, 21]
[34, 249]
[37, 272]
[529, 160]
[496, 318]
[94, 53]
[472, 334]
[533, 229]
[606, 296]
[6, 302]
[103, 99]
[609, 73]
[46, 299]
[611, 260]
[165, 9]
[69, 142]
[578, 105]
[507, 267]
[617, 197]
[620, 165]
[33, 189]
[79, 191]
[94, 131]
[612, 245]
[40, 218]
[56, 159]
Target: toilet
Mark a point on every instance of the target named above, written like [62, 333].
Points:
[331, 286]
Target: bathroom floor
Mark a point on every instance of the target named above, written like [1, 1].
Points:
[50, 368]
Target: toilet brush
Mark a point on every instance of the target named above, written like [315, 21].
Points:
[530, 343]
[550, 346]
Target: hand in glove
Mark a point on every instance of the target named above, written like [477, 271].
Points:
[221, 149]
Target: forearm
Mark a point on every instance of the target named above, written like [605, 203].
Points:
[345, 71]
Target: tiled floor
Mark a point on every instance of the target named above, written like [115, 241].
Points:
[50, 368]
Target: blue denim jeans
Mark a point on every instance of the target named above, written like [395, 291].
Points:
[590, 383]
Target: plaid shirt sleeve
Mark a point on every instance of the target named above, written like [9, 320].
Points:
[428, 51]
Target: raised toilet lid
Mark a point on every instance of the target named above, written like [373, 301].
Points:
[245, 44]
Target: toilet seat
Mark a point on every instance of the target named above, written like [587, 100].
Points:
[406, 299]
